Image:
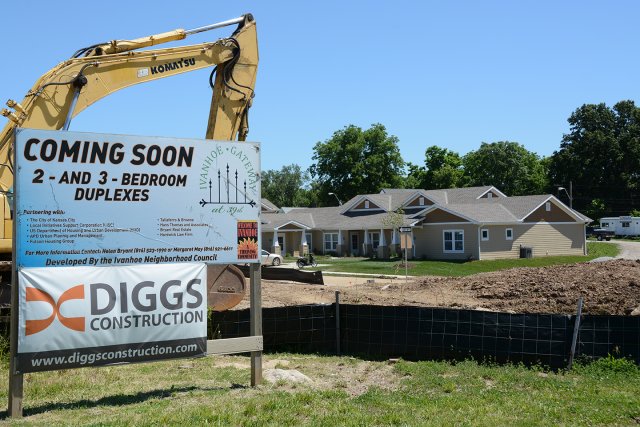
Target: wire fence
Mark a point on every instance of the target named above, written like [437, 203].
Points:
[418, 333]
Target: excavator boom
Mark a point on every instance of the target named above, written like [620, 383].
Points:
[99, 70]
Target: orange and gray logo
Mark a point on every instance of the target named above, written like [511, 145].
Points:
[74, 323]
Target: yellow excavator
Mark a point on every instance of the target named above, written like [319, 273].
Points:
[98, 70]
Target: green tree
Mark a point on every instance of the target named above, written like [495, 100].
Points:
[596, 209]
[442, 169]
[601, 156]
[287, 186]
[508, 166]
[355, 161]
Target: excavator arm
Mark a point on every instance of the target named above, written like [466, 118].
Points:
[102, 69]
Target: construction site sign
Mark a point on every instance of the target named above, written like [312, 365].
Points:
[75, 317]
[88, 199]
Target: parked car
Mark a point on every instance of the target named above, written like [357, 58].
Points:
[268, 258]
[600, 233]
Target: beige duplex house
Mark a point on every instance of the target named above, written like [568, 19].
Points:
[451, 224]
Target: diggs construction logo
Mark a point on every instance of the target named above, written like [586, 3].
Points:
[121, 307]
[75, 323]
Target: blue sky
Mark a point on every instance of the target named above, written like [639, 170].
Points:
[452, 74]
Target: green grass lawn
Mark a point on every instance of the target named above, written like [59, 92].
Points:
[344, 391]
[453, 268]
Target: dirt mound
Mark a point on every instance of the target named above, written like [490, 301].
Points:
[611, 287]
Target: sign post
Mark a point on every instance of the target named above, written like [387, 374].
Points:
[406, 243]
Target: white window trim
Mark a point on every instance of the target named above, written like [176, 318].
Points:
[371, 239]
[324, 241]
[547, 206]
[453, 242]
[506, 234]
[421, 201]
[482, 231]
[366, 204]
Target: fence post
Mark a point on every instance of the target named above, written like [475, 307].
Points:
[338, 323]
[255, 310]
[576, 329]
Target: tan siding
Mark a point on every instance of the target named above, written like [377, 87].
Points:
[554, 239]
[554, 215]
[267, 240]
[371, 206]
[416, 202]
[493, 194]
[438, 215]
[498, 247]
[429, 241]
[545, 239]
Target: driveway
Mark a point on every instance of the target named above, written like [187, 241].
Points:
[628, 250]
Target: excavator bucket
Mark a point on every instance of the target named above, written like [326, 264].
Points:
[225, 287]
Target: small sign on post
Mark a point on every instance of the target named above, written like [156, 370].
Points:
[406, 242]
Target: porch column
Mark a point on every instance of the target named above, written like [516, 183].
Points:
[383, 249]
[340, 249]
[367, 248]
[413, 247]
[275, 248]
[394, 248]
[304, 247]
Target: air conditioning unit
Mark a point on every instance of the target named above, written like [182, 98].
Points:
[526, 252]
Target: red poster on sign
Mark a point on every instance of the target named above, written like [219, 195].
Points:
[248, 240]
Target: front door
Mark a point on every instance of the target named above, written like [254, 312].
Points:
[281, 241]
[355, 249]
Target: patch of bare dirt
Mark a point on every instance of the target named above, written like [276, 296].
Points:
[351, 375]
[611, 287]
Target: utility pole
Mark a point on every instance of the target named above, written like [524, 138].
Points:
[571, 194]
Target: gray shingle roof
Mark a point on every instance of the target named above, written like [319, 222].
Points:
[267, 204]
[463, 201]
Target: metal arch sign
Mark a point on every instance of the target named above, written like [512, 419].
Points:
[89, 199]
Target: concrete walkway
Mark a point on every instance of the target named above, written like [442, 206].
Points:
[628, 249]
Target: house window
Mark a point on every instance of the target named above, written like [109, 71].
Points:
[330, 242]
[374, 238]
[508, 234]
[605, 225]
[366, 204]
[453, 240]
[547, 206]
[421, 201]
[485, 234]
[626, 224]
[489, 195]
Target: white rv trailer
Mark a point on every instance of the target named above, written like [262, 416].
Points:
[622, 225]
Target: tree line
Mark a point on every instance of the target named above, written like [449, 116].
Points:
[599, 159]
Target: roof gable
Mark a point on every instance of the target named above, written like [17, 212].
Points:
[415, 199]
[367, 202]
[492, 192]
[557, 212]
[440, 215]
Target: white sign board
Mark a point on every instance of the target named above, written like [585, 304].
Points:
[86, 199]
[86, 316]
